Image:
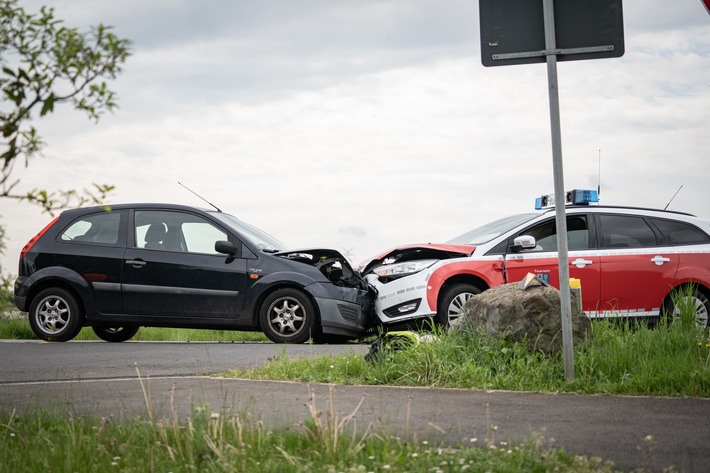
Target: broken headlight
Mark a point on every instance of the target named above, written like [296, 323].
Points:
[398, 270]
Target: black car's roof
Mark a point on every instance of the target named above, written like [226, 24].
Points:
[139, 205]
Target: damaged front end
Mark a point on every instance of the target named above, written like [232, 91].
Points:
[400, 277]
[346, 302]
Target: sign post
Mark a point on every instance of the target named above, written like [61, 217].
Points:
[512, 33]
[558, 176]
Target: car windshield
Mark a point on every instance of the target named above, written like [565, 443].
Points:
[489, 231]
[258, 238]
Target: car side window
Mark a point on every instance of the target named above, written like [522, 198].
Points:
[176, 231]
[99, 228]
[200, 237]
[546, 234]
[681, 233]
[625, 231]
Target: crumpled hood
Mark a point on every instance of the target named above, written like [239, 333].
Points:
[312, 253]
[417, 252]
[331, 263]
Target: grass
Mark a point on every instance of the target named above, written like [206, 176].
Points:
[210, 441]
[16, 327]
[184, 335]
[671, 359]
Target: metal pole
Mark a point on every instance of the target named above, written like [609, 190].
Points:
[565, 298]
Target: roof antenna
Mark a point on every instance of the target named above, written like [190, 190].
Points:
[198, 195]
[599, 174]
[676, 193]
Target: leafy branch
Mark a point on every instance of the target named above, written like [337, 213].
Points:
[44, 64]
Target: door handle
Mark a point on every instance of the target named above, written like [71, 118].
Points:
[581, 262]
[659, 260]
[136, 263]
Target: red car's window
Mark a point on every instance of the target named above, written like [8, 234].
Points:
[681, 233]
[625, 231]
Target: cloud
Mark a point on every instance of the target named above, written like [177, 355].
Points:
[354, 230]
[367, 124]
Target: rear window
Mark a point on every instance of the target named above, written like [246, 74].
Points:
[681, 233]
[102, 228]
[625, 231]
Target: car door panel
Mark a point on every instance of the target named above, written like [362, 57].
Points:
[546, 267]
[159, 283]
[638, 266]
[173, 270]
[543, 260]
[635, 282]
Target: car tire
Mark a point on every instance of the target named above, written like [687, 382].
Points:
[287, 316]
[451, 302]
[688, 296]
[116, 334]
[55, 315]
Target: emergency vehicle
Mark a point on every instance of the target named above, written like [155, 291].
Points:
[631, 262]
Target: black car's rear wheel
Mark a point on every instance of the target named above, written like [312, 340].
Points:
[287, 316]
[55, 315]
[116, 334]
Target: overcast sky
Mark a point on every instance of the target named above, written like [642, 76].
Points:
[363, 124]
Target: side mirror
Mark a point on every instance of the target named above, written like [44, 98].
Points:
[226, 247]
[524, 242]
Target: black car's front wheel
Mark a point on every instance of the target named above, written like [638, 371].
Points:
[287, 316]
[55, 315]
[115, 334]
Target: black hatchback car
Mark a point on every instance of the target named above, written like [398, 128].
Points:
[119, 267]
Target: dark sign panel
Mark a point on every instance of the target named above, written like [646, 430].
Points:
[584, 29]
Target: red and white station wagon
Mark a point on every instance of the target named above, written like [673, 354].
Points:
[630, 262]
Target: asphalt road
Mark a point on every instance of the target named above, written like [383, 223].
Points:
[96, 378]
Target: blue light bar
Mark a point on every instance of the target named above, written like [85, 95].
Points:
[573, 197]
[582, 197]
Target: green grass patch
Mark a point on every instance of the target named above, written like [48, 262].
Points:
[16, 328]
[223, 443]
[618, 358]
[184, 335]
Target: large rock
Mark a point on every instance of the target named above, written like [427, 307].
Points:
[532, 314]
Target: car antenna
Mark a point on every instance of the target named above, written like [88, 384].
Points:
[198, 195]
[599, 174]
[676, 193]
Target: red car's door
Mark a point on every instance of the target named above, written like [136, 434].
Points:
[638, 268]
[543, 259]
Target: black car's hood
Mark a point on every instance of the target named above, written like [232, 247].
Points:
[331, 263]
[313, 254]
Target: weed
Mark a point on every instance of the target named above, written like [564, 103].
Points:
[671, 359]
[210, 441]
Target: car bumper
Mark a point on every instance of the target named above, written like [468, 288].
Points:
[20, 294]
[21, 302]
[343, 310]
[402, 299]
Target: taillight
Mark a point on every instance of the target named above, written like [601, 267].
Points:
[35, 238]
